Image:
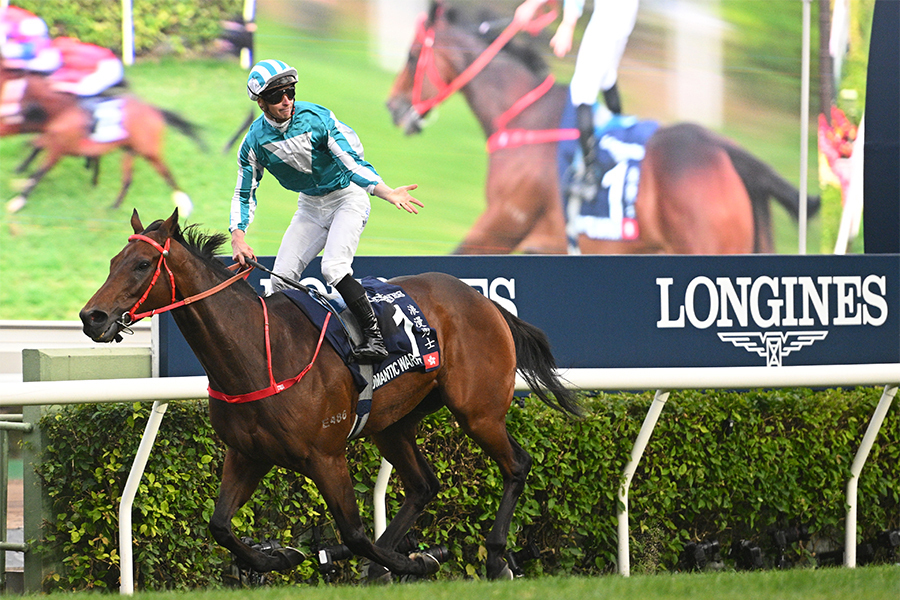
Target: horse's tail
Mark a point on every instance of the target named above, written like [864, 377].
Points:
[184, 126]
[763, 182]
[535, 362]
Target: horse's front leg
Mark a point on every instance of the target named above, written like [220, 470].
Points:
[240, 477]
[333, 481]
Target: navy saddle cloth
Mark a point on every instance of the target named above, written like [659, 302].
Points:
[411, 343]
[620, 150]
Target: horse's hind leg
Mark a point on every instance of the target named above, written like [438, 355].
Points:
[127, 176]
[397, 444]
[240, 477]
[181, 199]
[28, 160]
[489, 432]
[163, 170]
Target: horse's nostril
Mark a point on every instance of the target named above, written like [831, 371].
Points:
[93, 317]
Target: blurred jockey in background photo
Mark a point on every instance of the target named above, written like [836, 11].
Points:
[597, 62]
[69, 65]
[25, 43]
[87, 69]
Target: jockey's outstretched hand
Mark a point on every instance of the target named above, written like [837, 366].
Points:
[399, 197]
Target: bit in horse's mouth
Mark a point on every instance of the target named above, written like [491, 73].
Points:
[106, 335]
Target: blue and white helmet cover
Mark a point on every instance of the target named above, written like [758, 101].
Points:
[269, 73]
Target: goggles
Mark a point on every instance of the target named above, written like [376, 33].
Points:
[274, 96]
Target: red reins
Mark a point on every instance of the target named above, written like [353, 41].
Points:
[274, 388]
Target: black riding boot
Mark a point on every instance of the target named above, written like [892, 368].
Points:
[372, 347]
[612, 100]
[584, 120]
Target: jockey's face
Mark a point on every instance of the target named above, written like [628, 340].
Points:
[278, 104]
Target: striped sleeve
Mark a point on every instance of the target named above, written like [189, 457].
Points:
[346, 147]
[243, 203]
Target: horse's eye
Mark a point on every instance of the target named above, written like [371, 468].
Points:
[143, 265]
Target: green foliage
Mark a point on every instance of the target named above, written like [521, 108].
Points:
[786, 462]
[167, 26]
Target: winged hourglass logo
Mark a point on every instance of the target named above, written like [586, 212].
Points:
[773, 345]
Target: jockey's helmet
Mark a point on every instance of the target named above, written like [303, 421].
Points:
[269, 74]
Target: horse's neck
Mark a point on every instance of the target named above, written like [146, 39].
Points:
[498, 87]
[225, 329]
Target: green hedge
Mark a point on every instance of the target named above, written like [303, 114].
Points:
[784, 462]
[160, 26]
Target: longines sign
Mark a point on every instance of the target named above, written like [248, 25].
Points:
[667, 311]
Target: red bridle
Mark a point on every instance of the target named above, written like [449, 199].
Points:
[163, 255]
[274, 387]
[426, 67]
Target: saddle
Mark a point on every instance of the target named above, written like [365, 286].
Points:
[410, 342]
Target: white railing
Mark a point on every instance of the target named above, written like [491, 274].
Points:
[163, 390]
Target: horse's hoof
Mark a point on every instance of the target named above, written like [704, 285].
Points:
[183, 203]
[379, 575]
[291, 556]
[16, 204]
[432, 565]
[504, 574]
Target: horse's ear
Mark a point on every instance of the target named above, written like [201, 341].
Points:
[172, 222]
[136, 222]
[436, 10]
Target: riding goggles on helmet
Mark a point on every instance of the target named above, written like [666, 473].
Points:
[274, 96]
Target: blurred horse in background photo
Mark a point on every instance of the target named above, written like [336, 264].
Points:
[68, 126]
[681, 190]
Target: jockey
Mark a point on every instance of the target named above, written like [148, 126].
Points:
[596, 66]
[309, 151]
[87, 69]
[25, 42]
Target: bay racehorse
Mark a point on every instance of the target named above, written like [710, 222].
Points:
[224, 321]
[698, 192]
[64, 128]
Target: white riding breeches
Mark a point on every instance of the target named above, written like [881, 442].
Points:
[331, 224]
[601, 49]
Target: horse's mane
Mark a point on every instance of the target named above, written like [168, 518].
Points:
[488, 26]
[201, 244]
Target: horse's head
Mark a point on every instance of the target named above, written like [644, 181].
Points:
[134, 281]
[412, 80]
[449, 51]
[441, 50]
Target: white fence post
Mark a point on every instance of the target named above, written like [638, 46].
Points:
[856, 468]
[384, 475]
[126, 549]
[656, 407]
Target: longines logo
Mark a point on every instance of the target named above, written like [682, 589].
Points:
[773, 345]
[768, 304]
